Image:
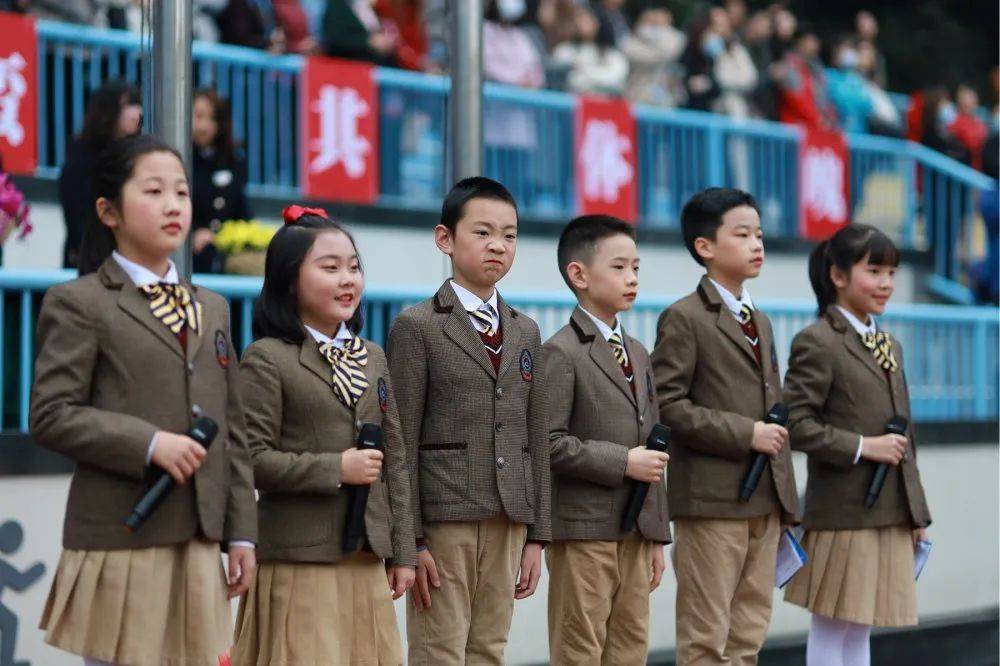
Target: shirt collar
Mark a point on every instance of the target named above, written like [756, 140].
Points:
[339, 340]
[857, 324]
[470, 301]
[142, 276]
[605, 330]
[733, 304]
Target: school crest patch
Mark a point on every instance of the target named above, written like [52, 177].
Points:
[383, 395]
[527, 366]
[221, 349]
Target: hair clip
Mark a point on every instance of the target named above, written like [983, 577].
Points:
[292, 213]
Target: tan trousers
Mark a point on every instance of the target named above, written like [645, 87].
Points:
[599, 601]
[470, 613]
[725, 583]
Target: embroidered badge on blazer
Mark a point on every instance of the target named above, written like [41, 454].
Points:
[526, 365]
[383, 395]
[221, 349]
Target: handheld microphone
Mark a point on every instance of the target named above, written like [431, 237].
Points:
[657, 440]
[896, 426]
[370, 437]
[779, 416]
[203, 431]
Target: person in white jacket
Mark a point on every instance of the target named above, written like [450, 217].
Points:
[594, 65]
[734, 71]
[653, 51]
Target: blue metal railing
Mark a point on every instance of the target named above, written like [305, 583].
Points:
[924, 199]
[951, 352]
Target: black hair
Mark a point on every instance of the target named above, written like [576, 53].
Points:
[224, 144]
[276, 312]
[702, 215]
[847, 247]
[114, 168]
[467, 189]
[103, 108]
[579, 239]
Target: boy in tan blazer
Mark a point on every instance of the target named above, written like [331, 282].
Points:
[601, 410]
[716, 375]
[472, 408]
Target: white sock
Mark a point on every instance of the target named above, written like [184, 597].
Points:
[857, 647]
[825, 646]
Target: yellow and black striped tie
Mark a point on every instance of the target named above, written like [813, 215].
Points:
[172, 304]
[484, 316]
[349, 380]
[880, 345]
[618, 349]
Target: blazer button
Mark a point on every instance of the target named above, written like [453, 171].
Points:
[196, 411]
[190, 368]
[501, 462]
[499, 392]
[498, 427]
[642, 419]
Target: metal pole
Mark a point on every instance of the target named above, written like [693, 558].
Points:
[465, 101]
[171, 88]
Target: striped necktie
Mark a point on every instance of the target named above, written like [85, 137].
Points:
[349, 380]
[618, 349]
[880, 345]
[483, 315]
[173, 306]
[745, 314]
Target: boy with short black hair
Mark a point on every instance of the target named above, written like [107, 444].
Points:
[716, 372]
[472, 409]
[601, 410]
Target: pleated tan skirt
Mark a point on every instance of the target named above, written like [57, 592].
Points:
[862, 576]
[301, 614]
[161, 606]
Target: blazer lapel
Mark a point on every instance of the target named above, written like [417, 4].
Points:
[511, 330]
[600, 352]
[458, 327]
[310, 357]
[638, 373]
[194, 340]
[726, 321]
[136, 305]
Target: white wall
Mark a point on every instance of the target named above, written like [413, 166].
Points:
[962, 575]
[395, 256]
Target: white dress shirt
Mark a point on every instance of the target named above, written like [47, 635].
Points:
[607, 331]
[862, 329]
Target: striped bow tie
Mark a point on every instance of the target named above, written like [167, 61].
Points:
[745, 314]
[349, 380]
[483, 315]
[173, 306]
[881, 347]
[618, 349]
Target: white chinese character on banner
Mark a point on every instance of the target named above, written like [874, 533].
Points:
[340, 110]
[823, 184]
[12, 89]
[602, 157]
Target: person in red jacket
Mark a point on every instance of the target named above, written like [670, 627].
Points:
[967, 127]
[802, 98]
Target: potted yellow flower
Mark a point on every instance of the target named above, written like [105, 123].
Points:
[244, 242]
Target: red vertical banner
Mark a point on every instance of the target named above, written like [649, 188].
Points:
[339, 103]
[605, 158]
[824, 186]
[18, 93]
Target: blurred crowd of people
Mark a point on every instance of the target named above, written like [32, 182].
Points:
[726, 59]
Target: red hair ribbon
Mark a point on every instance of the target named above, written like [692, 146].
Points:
[294, 212]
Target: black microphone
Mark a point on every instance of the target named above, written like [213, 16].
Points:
[657, 440]
[203, 431]
[779, 416]
[370, 437]
[896, 426]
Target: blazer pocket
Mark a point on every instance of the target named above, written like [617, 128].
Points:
[294, 521]
[579, 500]
[444, 472]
